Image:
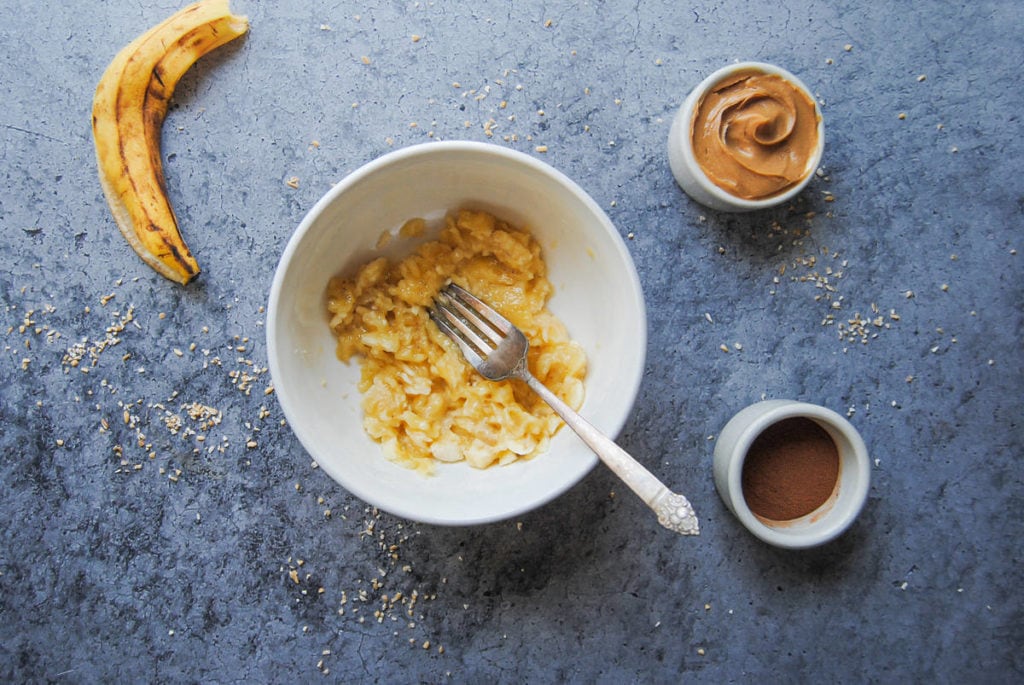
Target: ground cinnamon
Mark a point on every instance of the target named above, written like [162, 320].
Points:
[790, 470]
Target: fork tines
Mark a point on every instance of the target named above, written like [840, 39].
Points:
[468, 320]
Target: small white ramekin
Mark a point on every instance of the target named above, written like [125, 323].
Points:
[825, 523]
[684, 164]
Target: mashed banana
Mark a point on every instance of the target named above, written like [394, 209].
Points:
[422, 402]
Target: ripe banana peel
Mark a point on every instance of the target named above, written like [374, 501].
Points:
[127, 117]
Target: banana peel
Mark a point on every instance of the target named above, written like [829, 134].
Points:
[128, 112]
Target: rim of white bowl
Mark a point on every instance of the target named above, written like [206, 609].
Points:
[283, 394]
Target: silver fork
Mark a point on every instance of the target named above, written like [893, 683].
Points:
[497, 349]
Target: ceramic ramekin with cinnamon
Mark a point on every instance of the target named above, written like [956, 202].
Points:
[795, 474]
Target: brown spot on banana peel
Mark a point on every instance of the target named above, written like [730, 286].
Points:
[185, 261]
[188, 264]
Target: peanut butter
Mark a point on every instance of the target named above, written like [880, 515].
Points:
[755, 134]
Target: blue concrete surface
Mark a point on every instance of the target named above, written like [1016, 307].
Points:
[214, 561]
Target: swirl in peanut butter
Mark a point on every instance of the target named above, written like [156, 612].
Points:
[755, 134]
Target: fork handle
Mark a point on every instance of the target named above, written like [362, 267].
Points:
[674, 511]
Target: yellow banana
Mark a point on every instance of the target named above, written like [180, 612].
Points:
[127, 116]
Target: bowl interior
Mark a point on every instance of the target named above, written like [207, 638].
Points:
[597, 295]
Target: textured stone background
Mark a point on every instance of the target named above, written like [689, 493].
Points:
[180, 569]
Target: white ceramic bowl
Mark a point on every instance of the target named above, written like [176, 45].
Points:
[828, 521]
[597, 296]
[688, 172]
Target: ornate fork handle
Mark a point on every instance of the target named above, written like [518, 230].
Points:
[497, 349]
[673, 510]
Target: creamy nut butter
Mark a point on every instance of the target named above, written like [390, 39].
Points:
[755, 135]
